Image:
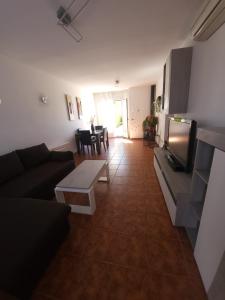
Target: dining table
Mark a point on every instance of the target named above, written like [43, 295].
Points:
[97, 134]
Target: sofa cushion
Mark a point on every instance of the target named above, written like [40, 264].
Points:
[33, 156]
[38, 182]
[31, 231]
[10, 166]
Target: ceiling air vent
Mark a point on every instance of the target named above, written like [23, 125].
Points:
[210, 19]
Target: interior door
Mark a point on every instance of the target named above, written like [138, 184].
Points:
[138, 109]
[125, 117]
[134, 122]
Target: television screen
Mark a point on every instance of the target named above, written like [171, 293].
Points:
[179, 139]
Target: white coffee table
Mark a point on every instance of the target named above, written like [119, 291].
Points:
[82, 180]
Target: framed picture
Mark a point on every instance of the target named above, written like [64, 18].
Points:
[71, 107]
[79, 108]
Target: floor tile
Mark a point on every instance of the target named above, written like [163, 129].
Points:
[124, 284]
[76, 242]
[98, 244]
[155, 204]
[160, 227]
[191, 266]
[113, 166]
[165, 287]
[93, 275]
[129, 249]
[166, 256]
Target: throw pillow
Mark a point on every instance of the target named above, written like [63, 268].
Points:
[33, 156]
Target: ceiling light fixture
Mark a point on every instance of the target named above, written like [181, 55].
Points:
[65, 20]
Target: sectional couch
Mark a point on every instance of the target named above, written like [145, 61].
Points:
[31, 229]
[33, 172]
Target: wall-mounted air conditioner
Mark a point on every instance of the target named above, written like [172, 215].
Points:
[210, 19]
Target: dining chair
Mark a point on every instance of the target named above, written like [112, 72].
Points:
[103, 138]
[87, 140]
[98, 127]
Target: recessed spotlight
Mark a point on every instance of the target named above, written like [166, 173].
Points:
[117, 82]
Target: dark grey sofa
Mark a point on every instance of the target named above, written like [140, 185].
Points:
[30, 229]
[33, 172]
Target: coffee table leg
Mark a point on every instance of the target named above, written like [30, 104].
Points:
[59, 196]
[107, 177]
[91, 196]
[98, 144]
[89, 210]
[107, 172]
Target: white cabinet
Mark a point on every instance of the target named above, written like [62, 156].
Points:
[176, 188]
[210, 244]
[200, 178]
[177, 72]
[197, 202]
[161, 134]
[176, 82]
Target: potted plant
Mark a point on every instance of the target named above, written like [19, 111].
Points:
[149, 127]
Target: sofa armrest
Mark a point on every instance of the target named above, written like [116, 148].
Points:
[61, 155]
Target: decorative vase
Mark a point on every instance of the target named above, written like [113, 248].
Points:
[92, 128]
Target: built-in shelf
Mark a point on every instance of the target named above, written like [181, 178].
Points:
[203, 174]
[176, 188]
[179, 183]
[213, 137]
[209, 245]
[197, 208]
[199, 187]
[200, 179]
[185, 193]
[192, 234]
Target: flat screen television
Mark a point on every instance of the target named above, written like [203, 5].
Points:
[181, 143]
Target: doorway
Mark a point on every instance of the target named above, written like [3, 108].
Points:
[120, 118]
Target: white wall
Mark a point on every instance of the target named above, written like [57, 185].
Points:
[159, 85]
[138, 109]
[24, 120]
[207, 88]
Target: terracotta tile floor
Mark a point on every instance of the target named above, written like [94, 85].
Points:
[128, 249]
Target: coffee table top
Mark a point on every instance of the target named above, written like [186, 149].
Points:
[84, 175]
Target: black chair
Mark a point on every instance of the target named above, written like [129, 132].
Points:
[84, 131]
[104, 138]
[87, 140]
[99, 127]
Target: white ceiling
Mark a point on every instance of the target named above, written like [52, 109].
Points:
[123, 39]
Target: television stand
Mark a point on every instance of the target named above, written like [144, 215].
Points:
[174, 163]
[176, 188]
